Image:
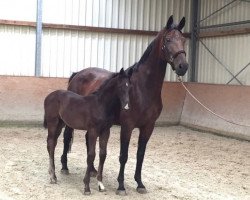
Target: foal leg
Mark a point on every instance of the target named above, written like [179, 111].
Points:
[93, 171]
[125, 136]
[67, 135]
[145, 133]
[54, 130]
[103, 141]
[90, 159]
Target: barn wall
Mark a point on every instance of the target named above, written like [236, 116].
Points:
[237, 11]
[231, 51]
[230, 101]
[21, 101]
[65, 51]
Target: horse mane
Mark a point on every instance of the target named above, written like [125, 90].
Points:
[144, 57]
[72, 76]
[146, 53]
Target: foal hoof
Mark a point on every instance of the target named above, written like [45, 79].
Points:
[101, 187]
[142, 190]
[87, 193]
[53, 180]
[65, 171]
[102, 190]
[121, 192]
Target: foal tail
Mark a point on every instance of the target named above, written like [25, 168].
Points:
[45, 123]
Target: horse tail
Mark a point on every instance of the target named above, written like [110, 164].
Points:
[72, 76]
[45, 123]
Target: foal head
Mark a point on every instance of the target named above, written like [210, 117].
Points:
[172, 46]
[123, 86]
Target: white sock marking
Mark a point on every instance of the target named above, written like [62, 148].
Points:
[101, 186]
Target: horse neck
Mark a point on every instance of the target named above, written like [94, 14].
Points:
[153, 72]
[108, 96]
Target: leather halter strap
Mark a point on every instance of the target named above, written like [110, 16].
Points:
[179, 52]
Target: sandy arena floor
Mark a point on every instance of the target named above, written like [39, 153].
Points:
[179, 164]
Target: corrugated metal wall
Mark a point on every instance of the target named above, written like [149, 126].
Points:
[17, 51]
[237, 11]
[66, 51]
[17, 44]
[231, 51]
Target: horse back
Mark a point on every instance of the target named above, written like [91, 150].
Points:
[88, 80]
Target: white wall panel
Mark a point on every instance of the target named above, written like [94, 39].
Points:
[109, 51]
[24, 10]
[237, 11]
[17, 50]
[128, 14]
[64, 52]
[232, 51]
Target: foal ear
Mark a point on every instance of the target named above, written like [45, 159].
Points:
[182, 23]
[122, 72]
[169, 23]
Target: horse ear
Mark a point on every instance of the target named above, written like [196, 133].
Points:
[169, 23]
[182, 23]
[130, 72]
[122, 72]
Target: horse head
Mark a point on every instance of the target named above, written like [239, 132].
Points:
[123, 87]
[172, 46]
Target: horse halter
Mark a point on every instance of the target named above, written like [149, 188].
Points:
[165, 50]
[171, 59]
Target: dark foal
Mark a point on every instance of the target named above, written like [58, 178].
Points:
[145, 95]
[95, 113]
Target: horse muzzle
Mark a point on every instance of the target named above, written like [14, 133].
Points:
[181, 69]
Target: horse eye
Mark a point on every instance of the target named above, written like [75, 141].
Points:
[167, 39]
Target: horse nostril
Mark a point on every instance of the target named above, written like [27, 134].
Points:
[180, 66]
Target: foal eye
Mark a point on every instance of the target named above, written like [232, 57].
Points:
[167, 40]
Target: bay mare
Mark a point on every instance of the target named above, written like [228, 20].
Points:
[94, 113]
[145, 95]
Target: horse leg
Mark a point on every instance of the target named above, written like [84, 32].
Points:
[93, 171]
[125, 136]
[103, 141]
[90, 159]
[67, 135]
[145, 133]
[54, 130]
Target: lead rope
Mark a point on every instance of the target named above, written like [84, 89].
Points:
[209, 110]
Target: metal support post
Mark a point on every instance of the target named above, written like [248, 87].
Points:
[195, 15]
[38, 38]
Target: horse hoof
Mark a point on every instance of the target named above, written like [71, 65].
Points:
[87, 193]
[141, 190]
[65, 171]
[121, 192]
[101, 187]
[102, 190]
